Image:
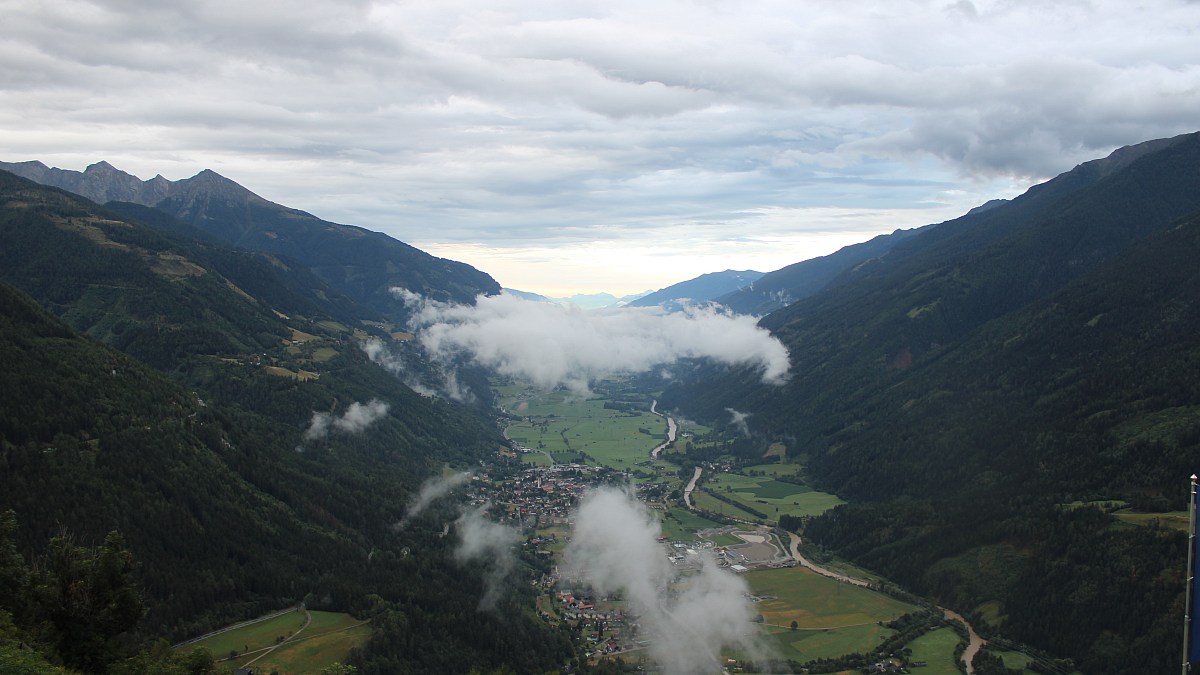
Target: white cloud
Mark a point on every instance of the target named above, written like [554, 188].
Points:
[555, 345]
[431, 490]
[613, 550]
[482, 540]
[357, 418]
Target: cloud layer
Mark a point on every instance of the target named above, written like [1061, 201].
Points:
[554, 345]
[671, 129]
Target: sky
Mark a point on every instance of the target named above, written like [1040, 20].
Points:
[606, 145]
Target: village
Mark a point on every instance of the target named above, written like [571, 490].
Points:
[540, 500]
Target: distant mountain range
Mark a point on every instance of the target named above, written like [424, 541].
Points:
[701, 289]
[359, 263]
[582, 300]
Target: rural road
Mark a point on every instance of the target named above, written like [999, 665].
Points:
[974, 642]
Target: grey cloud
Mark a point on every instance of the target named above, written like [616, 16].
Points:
[589, 121]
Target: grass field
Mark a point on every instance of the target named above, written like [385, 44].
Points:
[562, 422]
[681, 525]
[806, 645]
[817, 602]
[937, 649]
[254, 636]
[765, 493]
[1176, 520]
[329, 638]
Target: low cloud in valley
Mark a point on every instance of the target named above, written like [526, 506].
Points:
[554, 345]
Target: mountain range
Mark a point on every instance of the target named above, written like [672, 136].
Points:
[1008, 400]
[359, 263]
[703, 288]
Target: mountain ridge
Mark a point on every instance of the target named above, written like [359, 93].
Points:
[362, 264]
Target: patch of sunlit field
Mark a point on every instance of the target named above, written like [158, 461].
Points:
[816, 602]
[937, 649]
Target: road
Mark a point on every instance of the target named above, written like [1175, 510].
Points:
[974, 642]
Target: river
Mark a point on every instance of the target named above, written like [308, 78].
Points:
[672, 429]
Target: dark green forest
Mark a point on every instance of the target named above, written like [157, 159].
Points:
[193, 452]
[969, 386]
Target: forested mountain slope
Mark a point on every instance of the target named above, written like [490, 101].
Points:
[229, 507]
[786, 285]
[359, 263]
[982, 373]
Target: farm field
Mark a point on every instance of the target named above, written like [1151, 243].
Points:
[817, 602]
[937, 649]
[329, 637]
[252, 636]
[564, 424]
[806, 645]
[833, 619]
[681, 525]
[766, 494]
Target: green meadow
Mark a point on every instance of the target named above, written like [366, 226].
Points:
[764, 493]
[937, 649]
[565, 424]
[251, 637]
[832, 618]
[329, 637]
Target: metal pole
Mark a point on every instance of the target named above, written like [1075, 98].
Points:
[1187, 613]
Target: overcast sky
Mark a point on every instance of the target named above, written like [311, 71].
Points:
[601, 145]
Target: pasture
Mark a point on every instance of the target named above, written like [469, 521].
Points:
[766, 494]
[816, 602]
[329, 637]
[566, 424]
[252, 636]
[832, 618]
[937, 649]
